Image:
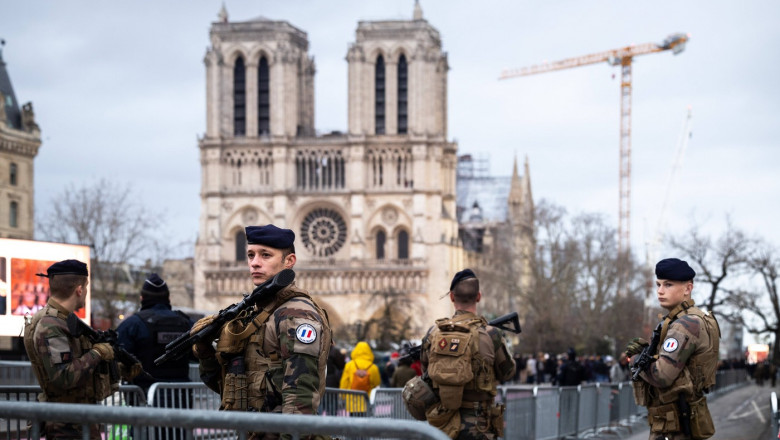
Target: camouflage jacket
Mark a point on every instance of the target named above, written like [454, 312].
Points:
[291, 348]
[64, 365]
[685, 339]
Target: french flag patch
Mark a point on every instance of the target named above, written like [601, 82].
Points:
[306, 333]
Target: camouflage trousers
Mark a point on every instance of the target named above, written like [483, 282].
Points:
[473, 426]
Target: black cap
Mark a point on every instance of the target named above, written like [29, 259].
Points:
[674, 269]
[460, 276]
[66, 267]
[270, 235]
[154, 285]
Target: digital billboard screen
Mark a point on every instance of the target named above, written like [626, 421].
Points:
[22, 293]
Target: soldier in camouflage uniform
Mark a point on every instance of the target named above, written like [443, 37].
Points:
[673, 386]
[272, 359]
[480, 418]
[69, 369]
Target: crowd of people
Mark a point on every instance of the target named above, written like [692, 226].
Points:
[569, 369]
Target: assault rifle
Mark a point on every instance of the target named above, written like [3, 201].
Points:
[648, 354]
[77, 327]
[502, 322]
[183, 344]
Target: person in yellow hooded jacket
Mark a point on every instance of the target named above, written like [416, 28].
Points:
[360, 374]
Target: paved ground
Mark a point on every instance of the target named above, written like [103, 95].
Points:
[742, 414]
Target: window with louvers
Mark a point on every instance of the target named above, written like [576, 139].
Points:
[379, 87]
[403, 91]
[263, 98]
[239, 98]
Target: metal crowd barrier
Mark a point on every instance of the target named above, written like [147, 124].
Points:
[21, 373]
[387, 403]
[17, 373]
[774, 430]
[242, 422]
[128, 395]
[345, 403]
[532, 412]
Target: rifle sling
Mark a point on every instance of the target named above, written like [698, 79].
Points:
[682, 307]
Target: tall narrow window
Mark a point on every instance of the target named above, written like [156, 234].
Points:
[380, 245]
[13, 217]
[13, 173]
[403, 245]
[403, 92]
[379, 86]
[240, 245]
[263, 98]
[239, 98]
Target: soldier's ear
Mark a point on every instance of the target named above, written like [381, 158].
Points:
[289, 261]
[479, 296]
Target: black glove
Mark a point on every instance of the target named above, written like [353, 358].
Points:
[636, 346]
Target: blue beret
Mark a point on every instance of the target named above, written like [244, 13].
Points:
[674, 269]
[154, 285]
[270, 235]
[460, 276]
[66, 267]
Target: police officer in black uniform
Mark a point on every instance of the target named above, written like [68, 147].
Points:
[146, 333]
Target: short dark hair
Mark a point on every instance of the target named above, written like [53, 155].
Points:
[62, 286]
[466, 291]
[288, 251]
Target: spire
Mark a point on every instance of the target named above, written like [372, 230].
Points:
[10, 109]
[515, 187]
[223, 15]
[527, 181]
[417, 11]
[526, 170]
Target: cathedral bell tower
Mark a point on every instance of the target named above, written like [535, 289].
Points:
[372, 207]
[398, 79]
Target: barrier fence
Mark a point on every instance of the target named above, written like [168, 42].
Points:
[532, 412]
[195, 420]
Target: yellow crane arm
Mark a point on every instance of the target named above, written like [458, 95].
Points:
[675, 42]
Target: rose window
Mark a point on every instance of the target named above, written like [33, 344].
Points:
[323, 232]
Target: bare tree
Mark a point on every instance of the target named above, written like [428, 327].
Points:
[716, 261]
[105, 216]
[574, 302]
[549, 300]
[391, 323]
[762, 302]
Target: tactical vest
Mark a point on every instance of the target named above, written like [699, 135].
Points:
[253, 388]
[702, 367]
[456, 366]
[162, 330]
[97, 388]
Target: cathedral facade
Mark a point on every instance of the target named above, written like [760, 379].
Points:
[374, 208]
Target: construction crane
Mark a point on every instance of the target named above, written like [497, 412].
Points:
[617, 57]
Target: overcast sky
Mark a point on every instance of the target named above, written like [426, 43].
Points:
[119, 92]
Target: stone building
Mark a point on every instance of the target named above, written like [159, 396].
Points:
[374, 208]
[20, 139]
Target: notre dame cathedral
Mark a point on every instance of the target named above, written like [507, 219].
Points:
[386, 208]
